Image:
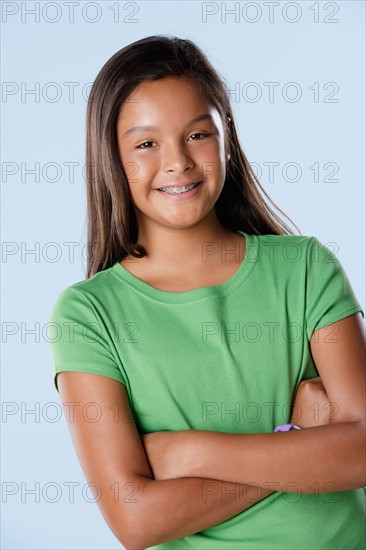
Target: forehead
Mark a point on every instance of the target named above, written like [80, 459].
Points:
[164, 98]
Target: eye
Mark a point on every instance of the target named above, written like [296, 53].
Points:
[141, 146]
[199, 134]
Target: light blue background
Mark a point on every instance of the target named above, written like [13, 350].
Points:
[35, 214]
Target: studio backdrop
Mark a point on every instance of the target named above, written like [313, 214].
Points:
[295, 75]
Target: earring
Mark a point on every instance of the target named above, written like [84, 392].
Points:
[228, 156]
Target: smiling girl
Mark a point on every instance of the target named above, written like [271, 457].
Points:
[202, 326]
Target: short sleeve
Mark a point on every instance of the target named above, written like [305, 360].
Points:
[79, 340]
[329, 294]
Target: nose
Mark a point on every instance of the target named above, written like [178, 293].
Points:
[176, 158]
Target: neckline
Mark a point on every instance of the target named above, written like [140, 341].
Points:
[200, 293]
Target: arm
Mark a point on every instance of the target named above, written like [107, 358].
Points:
[112, 456]
[319, 459]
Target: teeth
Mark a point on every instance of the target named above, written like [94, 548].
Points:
[178, 190]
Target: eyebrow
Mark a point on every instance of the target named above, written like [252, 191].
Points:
[136, 129]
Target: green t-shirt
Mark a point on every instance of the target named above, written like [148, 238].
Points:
[225, 358]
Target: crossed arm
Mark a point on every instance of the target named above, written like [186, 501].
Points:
[188, 493]
[320, 459]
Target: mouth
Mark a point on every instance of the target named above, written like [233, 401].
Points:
[179, 190]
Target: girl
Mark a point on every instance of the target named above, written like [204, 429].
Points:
[203, 326]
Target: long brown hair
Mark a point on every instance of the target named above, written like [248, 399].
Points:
[112, 230]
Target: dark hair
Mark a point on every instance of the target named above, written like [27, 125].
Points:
[112, 225]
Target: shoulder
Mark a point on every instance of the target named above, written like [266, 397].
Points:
[87, 288]
[301, 240]
[84, 296]
[288, 248]
[302, 254]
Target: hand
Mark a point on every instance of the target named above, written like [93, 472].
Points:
[167, 452]
[312, 406]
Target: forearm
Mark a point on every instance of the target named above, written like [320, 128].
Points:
[321, 459]
[173, 508]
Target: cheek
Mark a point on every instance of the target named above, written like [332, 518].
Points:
[213, 162]
[141, 179]
[212, 153]
[142, 171]
[136, 168]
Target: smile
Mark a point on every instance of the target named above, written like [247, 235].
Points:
[178, 190]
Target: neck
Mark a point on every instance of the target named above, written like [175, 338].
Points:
[200, 245]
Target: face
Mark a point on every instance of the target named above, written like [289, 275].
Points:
[174, 149]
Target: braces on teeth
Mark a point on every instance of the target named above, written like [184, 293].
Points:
[178, 190]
